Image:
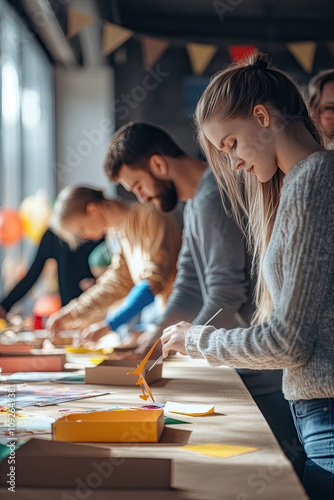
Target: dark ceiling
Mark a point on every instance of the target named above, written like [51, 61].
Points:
[226, 21]
[267, 24]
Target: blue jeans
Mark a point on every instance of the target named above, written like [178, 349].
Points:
[314, 420]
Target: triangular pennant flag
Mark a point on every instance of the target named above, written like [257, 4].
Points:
[76, 21]
[240, 52]
[304, 53]
[113, 37]
[152, 50]
[200, 55]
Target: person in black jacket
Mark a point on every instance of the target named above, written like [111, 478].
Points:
[73, 267]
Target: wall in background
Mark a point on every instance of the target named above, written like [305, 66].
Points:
[84, 125]
[26, 124]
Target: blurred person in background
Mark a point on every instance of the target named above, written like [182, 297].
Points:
[74, 273]
[321, 101]
[145, 250]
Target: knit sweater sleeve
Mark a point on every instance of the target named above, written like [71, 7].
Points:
[288, 339]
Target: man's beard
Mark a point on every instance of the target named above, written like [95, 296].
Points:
[167, 197]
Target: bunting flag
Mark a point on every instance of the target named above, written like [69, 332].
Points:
[240, 52]
[113, 37]
[200, 56]
[76, 21]
[152, 50]
[304, 52]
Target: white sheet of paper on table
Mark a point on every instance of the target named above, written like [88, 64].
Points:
[192, 409]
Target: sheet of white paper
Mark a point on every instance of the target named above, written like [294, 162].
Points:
[188, 409]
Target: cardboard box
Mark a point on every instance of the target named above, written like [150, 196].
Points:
[47, 464]
[124, 426]
[32, 362]
[15, 348]
[114, 372]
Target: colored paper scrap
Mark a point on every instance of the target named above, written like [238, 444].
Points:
[219, 450]
[82, 410]
[194, 410]
[44, 395]
[173, 421]
[34, 376]
[85, 350]
[27, 423]
[141, 380]
[5, 449]
[77, 377]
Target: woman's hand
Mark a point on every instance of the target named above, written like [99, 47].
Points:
[174, 337]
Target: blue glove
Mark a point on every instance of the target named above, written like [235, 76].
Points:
[139, 297]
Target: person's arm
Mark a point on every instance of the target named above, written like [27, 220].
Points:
[44, 252]
[223, 251]
[158, 239]
[183, 304]
[288, 338]
[92, 306]
[186, 299]
[139, 297]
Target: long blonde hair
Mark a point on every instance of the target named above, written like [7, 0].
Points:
[233, 93]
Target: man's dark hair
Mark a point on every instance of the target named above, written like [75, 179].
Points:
[134, 144]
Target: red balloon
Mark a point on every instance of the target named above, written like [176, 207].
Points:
[11, 227]
[47, 305]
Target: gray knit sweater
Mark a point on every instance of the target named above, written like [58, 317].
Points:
[299, 272]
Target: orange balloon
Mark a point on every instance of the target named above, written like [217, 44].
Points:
[11, 227]
[47, 305]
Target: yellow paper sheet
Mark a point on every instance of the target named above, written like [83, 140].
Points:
[84, 350]
[219, 450]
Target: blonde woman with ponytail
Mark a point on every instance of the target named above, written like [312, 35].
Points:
[255, 129]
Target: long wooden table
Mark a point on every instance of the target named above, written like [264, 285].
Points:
[265, 474]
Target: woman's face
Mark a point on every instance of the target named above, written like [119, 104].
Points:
[326, 109]
[248, 142]
[88, 226]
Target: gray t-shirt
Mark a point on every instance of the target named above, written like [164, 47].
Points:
[299, 272]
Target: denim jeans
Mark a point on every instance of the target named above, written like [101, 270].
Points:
[314, 420]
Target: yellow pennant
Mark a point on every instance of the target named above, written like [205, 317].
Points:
[304, 52]
[76, 21]
[113, 37]
[200, 56]
[152, 50]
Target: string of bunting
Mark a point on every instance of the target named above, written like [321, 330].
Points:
[200, 55]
